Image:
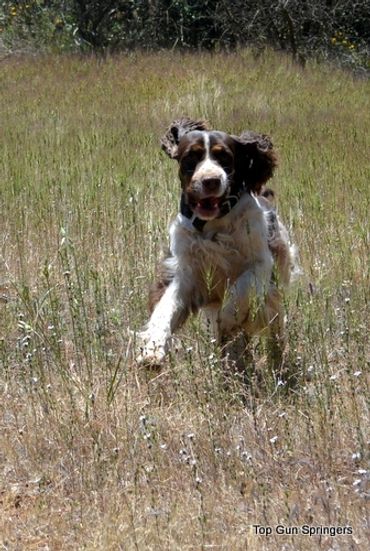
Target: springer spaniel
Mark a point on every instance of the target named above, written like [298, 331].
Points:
[229, 253]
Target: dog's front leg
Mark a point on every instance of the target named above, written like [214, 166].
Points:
[169, 313]
[245, 299]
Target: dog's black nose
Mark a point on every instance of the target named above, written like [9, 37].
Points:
[211, 184]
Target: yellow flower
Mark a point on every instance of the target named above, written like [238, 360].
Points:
[333, 40]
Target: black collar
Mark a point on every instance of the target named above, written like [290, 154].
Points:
[227, 204]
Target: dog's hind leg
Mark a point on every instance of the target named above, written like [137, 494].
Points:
[276, 337]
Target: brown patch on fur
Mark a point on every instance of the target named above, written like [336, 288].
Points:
[177, 130]
[156, 291]
[256, 159]
[164, 277]
[218, 148]
[197, 148]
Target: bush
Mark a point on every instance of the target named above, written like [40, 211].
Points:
[34, 25]
[328, 29]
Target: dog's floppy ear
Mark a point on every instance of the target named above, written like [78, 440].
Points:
[176, 131]
[255, 159]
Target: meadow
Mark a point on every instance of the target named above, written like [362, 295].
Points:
[97, 453]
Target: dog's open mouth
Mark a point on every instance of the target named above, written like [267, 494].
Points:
[207, 208]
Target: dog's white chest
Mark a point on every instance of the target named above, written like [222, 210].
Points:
[228, 246]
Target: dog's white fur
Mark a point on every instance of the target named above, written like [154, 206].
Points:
[227, 269]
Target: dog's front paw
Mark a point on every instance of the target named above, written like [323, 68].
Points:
[151, 348]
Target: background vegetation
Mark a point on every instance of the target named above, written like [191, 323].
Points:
[98, 454]
[326, 29]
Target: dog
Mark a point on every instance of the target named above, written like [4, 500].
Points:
[229, 253]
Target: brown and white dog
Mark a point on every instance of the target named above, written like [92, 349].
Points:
[228, 251]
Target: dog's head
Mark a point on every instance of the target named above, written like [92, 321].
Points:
[214, 165]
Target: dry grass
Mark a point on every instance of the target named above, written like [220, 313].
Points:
[96, 454]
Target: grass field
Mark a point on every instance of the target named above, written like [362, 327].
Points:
[98, 454]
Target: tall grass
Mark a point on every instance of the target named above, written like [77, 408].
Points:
[98, 454]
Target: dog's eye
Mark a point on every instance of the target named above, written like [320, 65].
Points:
[189, 163]
[224, 158]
